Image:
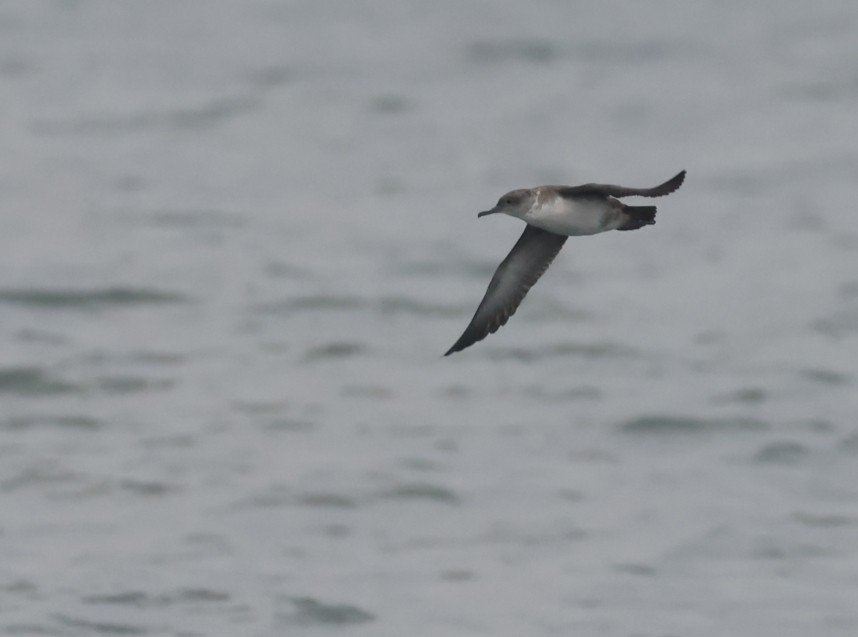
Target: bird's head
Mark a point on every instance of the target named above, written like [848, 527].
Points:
[515, 204]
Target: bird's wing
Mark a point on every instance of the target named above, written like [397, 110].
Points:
[609, 190]
[522, 267]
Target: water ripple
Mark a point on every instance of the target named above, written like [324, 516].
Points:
[98, 298]
[667, 424]
[32, 381]
[204, 115]
[838, 325]
[149, 488]
[817, 520]
[529, 50]
[133, 384]
[601, 350]
[422, 491]
[195, 219]
[271, 76]
[826, 376]
[334, 351]
[392, 305]
[320, 303]
[782, 452]
[141, 599]
[390, 103]
[98, 627]
[309, 611]
[386, 305]
[746, 395]
[86, 423]
[327, 500]
[29, 630]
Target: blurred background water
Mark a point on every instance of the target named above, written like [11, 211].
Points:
[237, 236]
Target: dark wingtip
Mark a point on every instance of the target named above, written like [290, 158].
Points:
[454, 349]
[464, 342]
[673, 184]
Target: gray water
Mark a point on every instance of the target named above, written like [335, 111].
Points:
[236, 238]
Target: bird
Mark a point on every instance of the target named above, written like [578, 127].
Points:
[552, 214]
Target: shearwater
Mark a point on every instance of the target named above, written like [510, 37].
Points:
[552, 214]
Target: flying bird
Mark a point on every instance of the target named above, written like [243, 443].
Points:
[552, 214]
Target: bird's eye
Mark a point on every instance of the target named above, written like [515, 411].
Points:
[507, 201]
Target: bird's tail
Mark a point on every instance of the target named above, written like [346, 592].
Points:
[637, 217]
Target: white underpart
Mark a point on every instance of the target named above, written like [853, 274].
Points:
[572, 217]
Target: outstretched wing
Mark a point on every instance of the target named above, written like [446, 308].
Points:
[522, 267]
[609, 190]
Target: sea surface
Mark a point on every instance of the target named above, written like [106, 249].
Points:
[236, 238]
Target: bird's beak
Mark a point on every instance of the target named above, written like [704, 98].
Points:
[494, 210]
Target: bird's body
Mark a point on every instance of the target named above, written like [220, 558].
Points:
[572, 216]
[552, 214]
